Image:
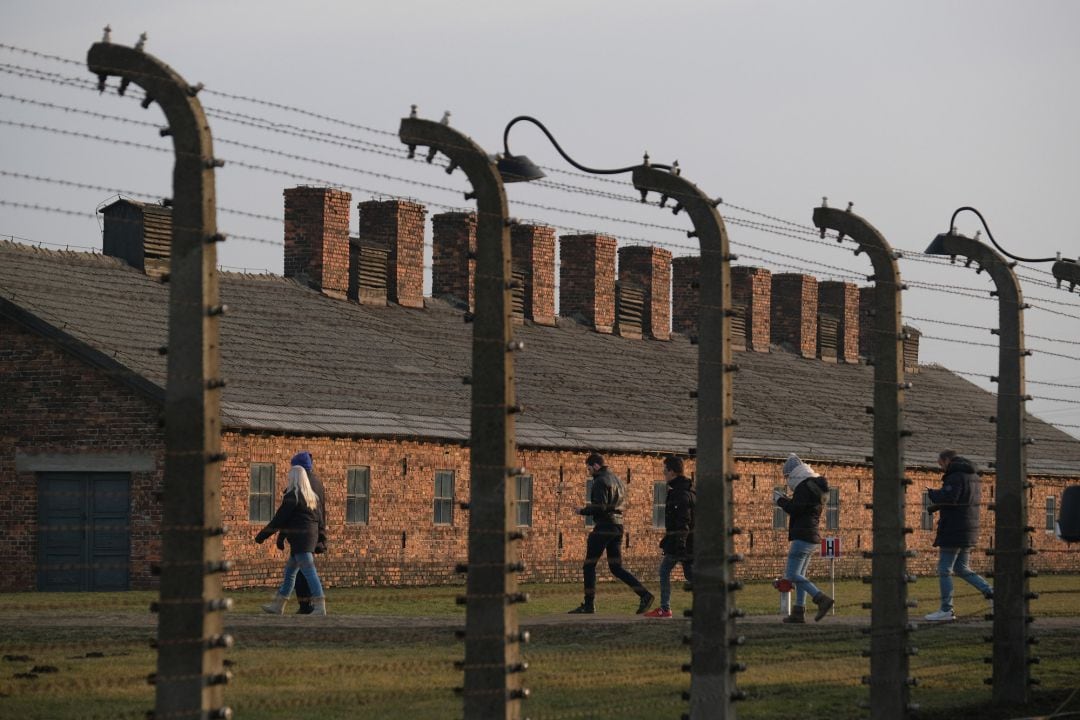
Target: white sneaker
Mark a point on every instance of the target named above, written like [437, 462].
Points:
[941, 616]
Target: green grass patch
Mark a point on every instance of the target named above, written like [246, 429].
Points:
[286, 668]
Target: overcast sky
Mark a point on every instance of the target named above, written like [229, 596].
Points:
[909, 110]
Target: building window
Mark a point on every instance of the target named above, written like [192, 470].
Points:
[261, 492]
[779, 517]
[589, 519]
[927, 518]
[358, 495]
[444, 497]
[1051, 513]
[659, 504]
[832, 510]
[523, 500]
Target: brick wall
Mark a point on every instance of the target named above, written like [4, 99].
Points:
[317, 238]
[751, 287]
[587, 280]
[685, 294]
[399, 226]
[794, 312]
[533, 251]
[650, 267]
[56, 404]
[453, 257]
[841, 300]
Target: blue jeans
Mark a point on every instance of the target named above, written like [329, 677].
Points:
[667, 564]
[798, 560]
[301, 563]
[955, 560]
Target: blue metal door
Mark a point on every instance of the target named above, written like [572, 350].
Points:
[83, 531]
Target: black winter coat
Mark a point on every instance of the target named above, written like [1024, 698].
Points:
[320, 491]
[295, 520]
[679, 518]
[958, 502]
[804, 509]
[606, 498]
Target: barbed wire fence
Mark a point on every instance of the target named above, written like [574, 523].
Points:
[837, 658]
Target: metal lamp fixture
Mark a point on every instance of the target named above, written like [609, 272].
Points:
[519, 168]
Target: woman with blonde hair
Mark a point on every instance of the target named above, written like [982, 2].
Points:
[297, 518]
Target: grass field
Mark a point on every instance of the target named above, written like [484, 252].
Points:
[389, 652]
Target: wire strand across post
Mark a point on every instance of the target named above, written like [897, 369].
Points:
[889, 647]
[190, 671]
[493, 668]
[713, 645]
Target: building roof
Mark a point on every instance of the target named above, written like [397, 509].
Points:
[299, 362]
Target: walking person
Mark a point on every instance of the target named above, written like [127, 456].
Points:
[303, 592]
[809, 491]
[606, 500]
[297, 517]
[958, 529]
[678, 542]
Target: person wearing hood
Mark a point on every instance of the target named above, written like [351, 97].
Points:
[303, 592]
[678, 542]
[958, 529]
[809, 491]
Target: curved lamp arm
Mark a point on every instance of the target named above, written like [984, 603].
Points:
[579, 166]
[1003, 251]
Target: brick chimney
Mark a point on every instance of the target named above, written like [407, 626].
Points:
[751, 289]
[533, 251]
[685, 294]
[587, 280]
[397, 226]
[317, 238]
[794, 312]
[453, 257]
[138, 233]
[841, 301]
[650, 268]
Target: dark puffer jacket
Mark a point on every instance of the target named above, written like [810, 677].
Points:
[679, 518]
[958, 502]
[295, 520]
[606, 498]
[804, 508]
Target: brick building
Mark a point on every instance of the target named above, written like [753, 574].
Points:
[344, 357]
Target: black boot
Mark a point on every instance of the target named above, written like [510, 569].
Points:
[824, 604]
[645, 602]
[586, 608]
[798, 615]
[306, 608]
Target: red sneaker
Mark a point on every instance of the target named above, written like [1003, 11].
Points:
[658, 613]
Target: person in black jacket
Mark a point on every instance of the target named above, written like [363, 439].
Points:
[958, 529]
[297, 516]
[606, 501]
[303, 592]
[678, 542]
[809, 491]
